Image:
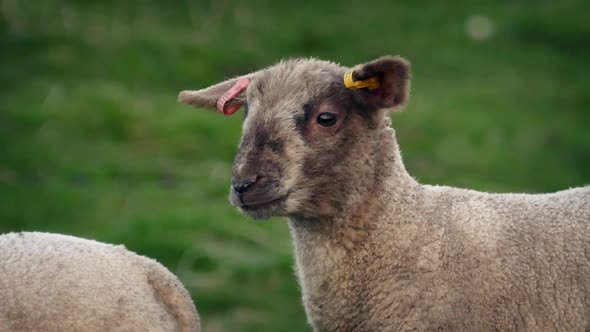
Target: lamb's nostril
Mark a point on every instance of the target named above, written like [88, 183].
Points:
[242, 185]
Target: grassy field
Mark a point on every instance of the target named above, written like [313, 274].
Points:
[93, 142]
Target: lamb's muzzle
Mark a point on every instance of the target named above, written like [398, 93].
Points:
[242, 185]
[377, 251]
[255, 193]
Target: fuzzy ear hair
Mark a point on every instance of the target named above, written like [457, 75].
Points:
[393, 73]
[208, 97]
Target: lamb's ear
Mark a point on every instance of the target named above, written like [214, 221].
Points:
[208, 97]
[393, 73]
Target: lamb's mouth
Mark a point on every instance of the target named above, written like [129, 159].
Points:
[262, 204]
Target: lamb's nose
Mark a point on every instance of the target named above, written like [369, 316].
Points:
[242, 185]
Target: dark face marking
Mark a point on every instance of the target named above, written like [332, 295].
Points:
[302, 119]
[261, 137]
[276, 145]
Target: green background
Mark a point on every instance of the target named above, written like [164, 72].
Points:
[94, 144]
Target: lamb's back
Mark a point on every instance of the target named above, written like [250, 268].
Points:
[51, 282]
[524, 258]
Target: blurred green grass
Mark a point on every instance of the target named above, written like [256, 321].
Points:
[93, 143]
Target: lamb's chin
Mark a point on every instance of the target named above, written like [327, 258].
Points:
[264, 211]
[260, 213]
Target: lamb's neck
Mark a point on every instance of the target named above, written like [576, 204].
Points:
[390, 188]
[332, 254]
[380, 204]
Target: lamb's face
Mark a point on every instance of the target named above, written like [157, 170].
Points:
[301, 135]
[298, 122]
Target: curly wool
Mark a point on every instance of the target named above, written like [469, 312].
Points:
[52, 282]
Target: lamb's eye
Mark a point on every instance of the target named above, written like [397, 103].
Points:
[327, 119]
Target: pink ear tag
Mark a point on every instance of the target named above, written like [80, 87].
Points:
[230, 94]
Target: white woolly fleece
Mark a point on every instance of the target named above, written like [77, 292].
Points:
[51, 282]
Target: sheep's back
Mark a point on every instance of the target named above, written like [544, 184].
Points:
[51, 282]
[523, 257]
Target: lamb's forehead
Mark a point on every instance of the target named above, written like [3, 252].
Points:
[294, 81]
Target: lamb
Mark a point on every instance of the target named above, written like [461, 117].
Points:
[52, 282]
[375, 250]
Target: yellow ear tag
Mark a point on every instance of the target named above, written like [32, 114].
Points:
[371, 83]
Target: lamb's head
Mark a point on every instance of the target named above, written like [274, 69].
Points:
[307, 141]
